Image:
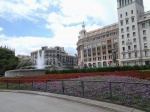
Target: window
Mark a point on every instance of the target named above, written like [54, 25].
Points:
[146, 54]
[135, 54]
[127, 29]
[132, 19]
[144, 39]
[126, 14]
[121, 22]
[134, 34]
[145, 45]
[114, 33]
[122, 31]
[104, 57]
[123, 48]
[93, 45]
[103, 43]
[131, 11]
[89, 46]
[133, 27]
[115, 40]
[99, 58]
[143, 25]
[98, 44]
[127, 21]
[129, 48]
[124, 56]
[128, 35]
[123, 42]
[129, 55]
[89, 59]
[122, 36]
[120, 15]
[85, 47]
[134, 40]
[135, 47]
[144, 32]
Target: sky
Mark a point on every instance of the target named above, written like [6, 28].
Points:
[27, 25]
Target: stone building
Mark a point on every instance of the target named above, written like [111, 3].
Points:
[56, 56]
[130, 38]
[134, 32]
[95, 47]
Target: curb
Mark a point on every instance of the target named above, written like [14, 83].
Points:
[104, 105]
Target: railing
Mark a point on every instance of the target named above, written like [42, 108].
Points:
[135, 95]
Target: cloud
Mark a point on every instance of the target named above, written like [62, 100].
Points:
[25, 45]
[65, 22]
[24, 9]
[1, 29]
[146, 5]
[66, 37]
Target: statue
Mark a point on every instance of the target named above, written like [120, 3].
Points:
[114, 57]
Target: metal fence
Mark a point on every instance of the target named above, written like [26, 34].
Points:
[135, 95]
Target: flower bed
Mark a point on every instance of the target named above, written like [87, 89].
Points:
[125, 87]
[132, 73]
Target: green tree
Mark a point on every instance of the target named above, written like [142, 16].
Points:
[8, 60]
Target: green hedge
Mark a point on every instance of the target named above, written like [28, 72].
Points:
[99, 69]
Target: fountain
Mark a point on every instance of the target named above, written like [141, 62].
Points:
[40, 60]
[29, 72]
[39, 67]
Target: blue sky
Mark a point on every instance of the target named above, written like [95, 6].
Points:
[27, 25]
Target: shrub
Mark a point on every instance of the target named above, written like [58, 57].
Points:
[99, 69]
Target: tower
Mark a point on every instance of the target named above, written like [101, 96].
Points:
[82, 32]
[129, 36]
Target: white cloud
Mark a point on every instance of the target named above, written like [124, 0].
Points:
[1, 29]
[24, 9]
[65, 23]
[147, 5]
[25, 45]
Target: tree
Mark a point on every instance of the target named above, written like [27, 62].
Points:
[8, 60]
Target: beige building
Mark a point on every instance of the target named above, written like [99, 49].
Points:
[95, 47]
[56, 56]
[130, 38]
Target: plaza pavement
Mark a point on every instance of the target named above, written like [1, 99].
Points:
[32, 101]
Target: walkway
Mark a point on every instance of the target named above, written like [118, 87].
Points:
[20, 102]
[33, 101]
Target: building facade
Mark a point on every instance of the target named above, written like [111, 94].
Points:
[95, 47]
[55, 56]
[130, 38]
[134, 32]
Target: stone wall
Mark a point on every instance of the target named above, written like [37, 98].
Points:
[24, 72]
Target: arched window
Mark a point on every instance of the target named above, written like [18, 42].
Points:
[104, 63]
[99, 64]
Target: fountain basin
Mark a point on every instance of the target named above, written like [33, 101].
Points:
[24, 72]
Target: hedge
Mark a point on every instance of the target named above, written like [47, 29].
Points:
[99, 69]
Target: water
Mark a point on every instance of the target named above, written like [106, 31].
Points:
[40, 60]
